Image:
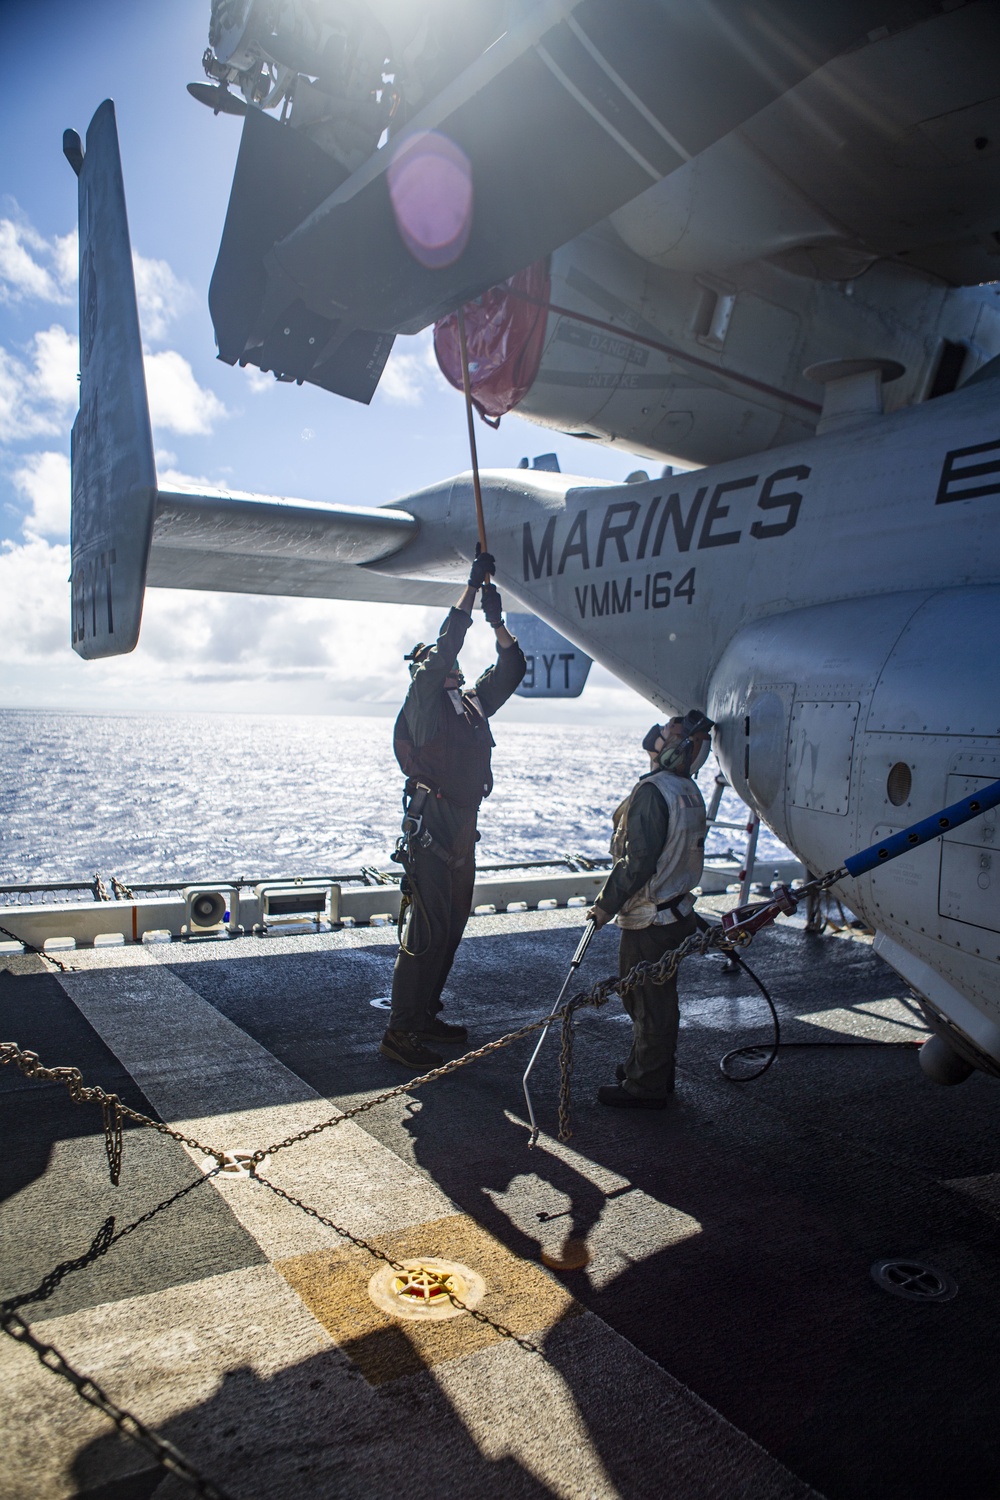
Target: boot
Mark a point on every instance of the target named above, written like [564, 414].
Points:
[406, 1047]
[438, 1030]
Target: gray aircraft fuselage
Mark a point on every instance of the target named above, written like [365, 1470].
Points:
[835, 606]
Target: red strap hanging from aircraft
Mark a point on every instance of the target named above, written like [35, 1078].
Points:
[505, 333]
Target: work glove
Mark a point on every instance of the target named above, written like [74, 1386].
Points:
[492, 604]
[483, 567]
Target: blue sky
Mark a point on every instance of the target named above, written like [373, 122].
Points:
[211, 422]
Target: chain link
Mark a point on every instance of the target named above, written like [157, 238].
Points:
[130, 1425]
[114, 1112]
[48, 958]
[113, 1109]
[655, 971]
[658, 972]
[599, 994]
[565, 1076]
[103, 1241]
[127, 1423]
[354, 1239]
[405, 1088]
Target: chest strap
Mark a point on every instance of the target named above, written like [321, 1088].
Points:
[674, 905]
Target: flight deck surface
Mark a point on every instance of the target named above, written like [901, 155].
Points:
[725, 1339]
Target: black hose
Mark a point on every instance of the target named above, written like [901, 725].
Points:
[777, 1044]
[744, 1051]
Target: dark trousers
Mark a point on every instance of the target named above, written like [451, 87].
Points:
[432, 931]
[649, 1071]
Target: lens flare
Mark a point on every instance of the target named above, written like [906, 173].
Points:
[430, 187]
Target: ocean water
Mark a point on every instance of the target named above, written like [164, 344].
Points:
[178, 797]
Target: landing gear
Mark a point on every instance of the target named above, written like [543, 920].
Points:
[815, 915]
[942, 1064]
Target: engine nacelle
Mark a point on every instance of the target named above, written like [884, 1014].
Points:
[707, 368]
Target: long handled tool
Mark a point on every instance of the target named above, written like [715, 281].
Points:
[744, 921]
[467, 388]
[575, 962]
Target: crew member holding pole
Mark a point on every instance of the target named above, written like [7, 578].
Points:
[443, 743]
[658, 848]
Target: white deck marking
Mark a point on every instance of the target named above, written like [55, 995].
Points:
[204, 1075]
[236, 1370]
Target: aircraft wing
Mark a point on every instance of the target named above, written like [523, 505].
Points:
[572, 112]
[252, 544]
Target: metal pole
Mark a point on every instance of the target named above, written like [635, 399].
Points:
[753, 829]
[575, 962]
[750, 919]
[713, 807]
[466, 386]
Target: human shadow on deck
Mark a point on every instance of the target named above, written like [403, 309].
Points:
[317, 1429]
[788, 1190]
[760, 1299]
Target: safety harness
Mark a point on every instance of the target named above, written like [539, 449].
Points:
[414, 835]
[674, 906]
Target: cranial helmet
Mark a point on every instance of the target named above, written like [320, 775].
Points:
[420, 653]
[685, 740]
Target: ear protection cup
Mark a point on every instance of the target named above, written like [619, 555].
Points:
[701, 756]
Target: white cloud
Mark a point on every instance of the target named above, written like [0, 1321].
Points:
[22, 270]
[193, 641]
[34, 601]
[176, 400]
[258, 381]
[56, 360]
[411, 369]
[46, 269]
[402, 380]
[38, 388]
[161, 295]
[169, 477]
[256, 638]
[44, 479]
[233, 652]
[66, 257]
[17, 419]
[37, 394]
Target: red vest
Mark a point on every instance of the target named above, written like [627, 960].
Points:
[456, 761]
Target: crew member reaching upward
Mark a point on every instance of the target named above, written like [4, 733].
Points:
[443, 744]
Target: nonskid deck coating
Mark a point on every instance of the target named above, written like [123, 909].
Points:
[730, 1236]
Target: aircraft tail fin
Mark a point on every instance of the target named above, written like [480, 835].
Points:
[114, 473]
[556, 668]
